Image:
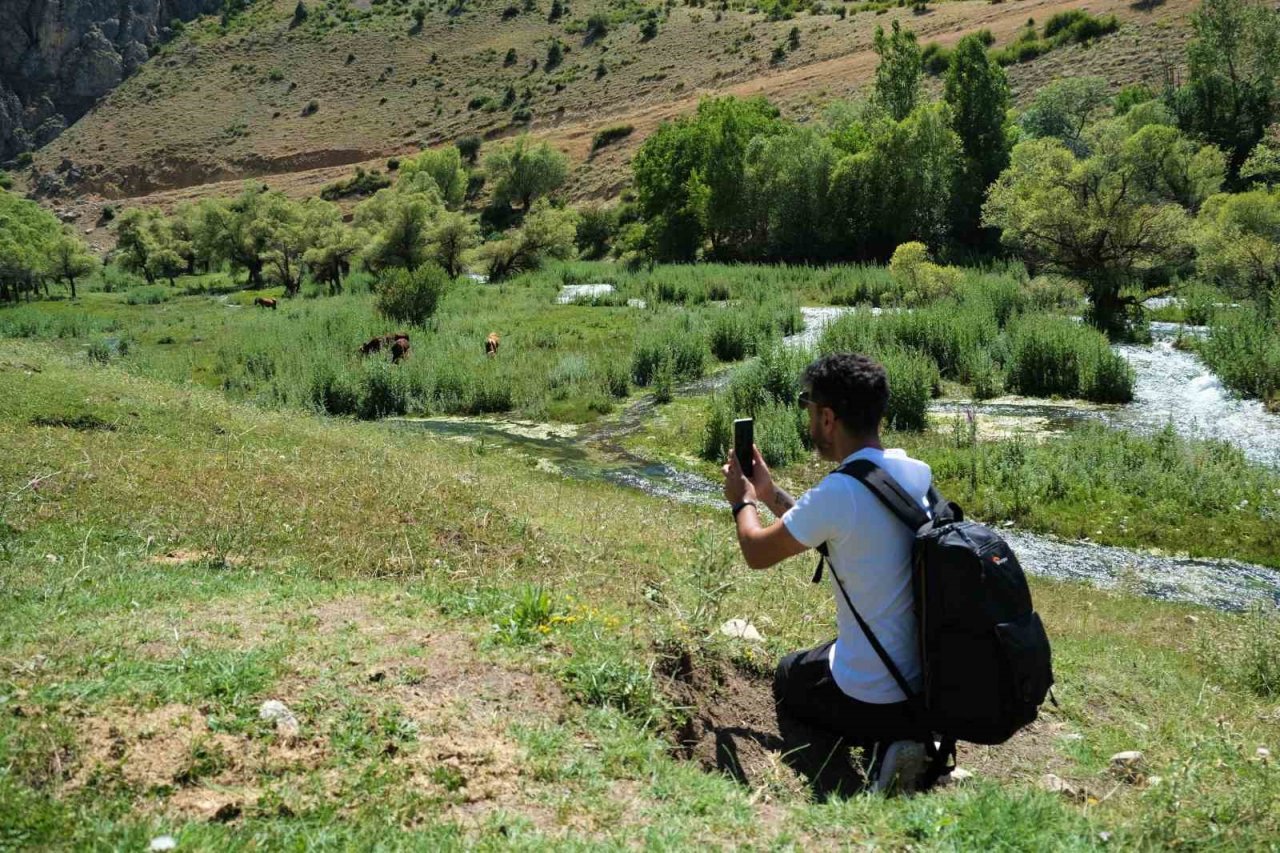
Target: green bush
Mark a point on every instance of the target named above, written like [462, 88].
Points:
[334, 391]
[99, 352]
[384, 391]
[679, 344]
[913, 376]
[1244, 351]
[778, 431]
[150, 295]
[730, 335]
[609, 135]
[411, 296]
[1199, 302]
[1054, 356]
[1076, 26]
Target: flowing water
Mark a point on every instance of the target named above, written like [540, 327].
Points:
[1171, 387]
[1175, 387]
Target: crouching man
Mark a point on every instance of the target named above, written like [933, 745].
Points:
[842, 686]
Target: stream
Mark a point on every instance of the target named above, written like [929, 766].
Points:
[1171, 386]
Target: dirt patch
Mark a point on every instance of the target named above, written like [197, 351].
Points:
[731, 725]
[183, 556]
[159, 749]
[1027, 757]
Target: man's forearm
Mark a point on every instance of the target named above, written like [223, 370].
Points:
[781, 502]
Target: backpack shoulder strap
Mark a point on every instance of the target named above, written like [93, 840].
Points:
[890, 493]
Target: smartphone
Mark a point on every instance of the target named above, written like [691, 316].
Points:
[743, 440]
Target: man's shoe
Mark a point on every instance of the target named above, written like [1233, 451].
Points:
[903, 767]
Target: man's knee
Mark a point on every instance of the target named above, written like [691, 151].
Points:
[782, 675]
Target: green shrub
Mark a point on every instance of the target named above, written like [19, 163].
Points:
[334, 392]
[411, 296]
[778, 431]
[1054, 356]
[609, 135]
[1244, 350]
[1076, 26]
[730, 336]
[384, 391]
[150, 295]
[912, 379]
[469, 147]
[99, 352]
[1199, 302]
[362, 183]
[935, 59]
[679, 343]
[614, 378]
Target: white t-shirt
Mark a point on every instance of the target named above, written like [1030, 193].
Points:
[870, 549]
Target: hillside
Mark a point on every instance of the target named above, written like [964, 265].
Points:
[303, 104]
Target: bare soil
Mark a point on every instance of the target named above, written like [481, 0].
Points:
[731, 724]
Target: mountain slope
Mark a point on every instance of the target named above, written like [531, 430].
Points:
[302, 104]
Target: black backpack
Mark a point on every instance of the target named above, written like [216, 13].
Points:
[983, 649]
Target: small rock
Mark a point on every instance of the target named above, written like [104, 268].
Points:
[1056, 785]
[959, 776]
[1154, 780]
[741, 629]
[377, 675]
[1105, 836]
[1263, 754]
[273, 710]
[1127, 764]
[163, 842]
[1192, 619]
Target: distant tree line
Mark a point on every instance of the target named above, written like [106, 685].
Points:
[1121, 192]
[272, 239]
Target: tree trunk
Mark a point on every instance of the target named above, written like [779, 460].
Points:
[72, 281]
[1107, 311]
[255, 274]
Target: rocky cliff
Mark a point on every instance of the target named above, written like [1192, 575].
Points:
[57, 57]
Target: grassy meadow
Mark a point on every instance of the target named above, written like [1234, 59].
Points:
[475, 652]
[482, 653]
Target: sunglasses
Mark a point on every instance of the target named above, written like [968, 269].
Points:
[805, 399]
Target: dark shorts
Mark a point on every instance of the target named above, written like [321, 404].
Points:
[805, 689]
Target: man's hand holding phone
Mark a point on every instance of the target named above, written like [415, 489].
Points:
[738, 487]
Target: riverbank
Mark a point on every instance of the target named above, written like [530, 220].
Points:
[175, 560]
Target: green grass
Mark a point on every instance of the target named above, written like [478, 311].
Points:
[352, 570]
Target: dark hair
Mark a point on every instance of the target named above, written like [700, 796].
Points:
[853, 386]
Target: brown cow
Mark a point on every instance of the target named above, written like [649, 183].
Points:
[491, 344]
[376, 344]
[265, 302]
[399, 349]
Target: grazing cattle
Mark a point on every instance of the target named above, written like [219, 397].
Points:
[491, 344]
[397, 342]
[265, 302]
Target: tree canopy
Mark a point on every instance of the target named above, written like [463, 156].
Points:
[1108, 217]
[522, 172]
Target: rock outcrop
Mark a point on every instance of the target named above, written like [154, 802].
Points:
[57, 57]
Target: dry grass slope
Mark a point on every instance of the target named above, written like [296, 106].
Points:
[301, 107]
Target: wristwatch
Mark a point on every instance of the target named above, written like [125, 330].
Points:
[738, 507]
